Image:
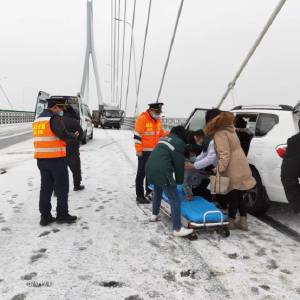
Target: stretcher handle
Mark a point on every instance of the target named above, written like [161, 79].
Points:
[212, 212]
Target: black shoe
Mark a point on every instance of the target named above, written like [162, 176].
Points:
[79, 187]
[45, 220]
[142, 200]
[65, 218]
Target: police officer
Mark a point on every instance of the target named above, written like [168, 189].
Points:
[148, 130]
[50, 138]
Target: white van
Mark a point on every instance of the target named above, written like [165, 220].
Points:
[79, 106]
[271, 127]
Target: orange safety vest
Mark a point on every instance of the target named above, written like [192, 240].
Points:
[46, 144]
[147, 132]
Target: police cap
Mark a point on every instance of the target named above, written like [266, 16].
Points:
[56, 101]
[156, 106]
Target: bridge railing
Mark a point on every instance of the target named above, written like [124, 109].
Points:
[10, 116]
[167, 123]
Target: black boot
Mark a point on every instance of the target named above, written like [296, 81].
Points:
[65, 218]
[45, 220]
[142, 200]
[78, 187]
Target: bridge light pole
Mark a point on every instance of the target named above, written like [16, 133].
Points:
[136, 112]
[23, 95]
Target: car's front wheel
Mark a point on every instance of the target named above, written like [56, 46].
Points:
[255, 197]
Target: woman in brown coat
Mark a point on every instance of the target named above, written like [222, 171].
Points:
[232, 163]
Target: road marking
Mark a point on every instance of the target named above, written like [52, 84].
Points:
[10, 136]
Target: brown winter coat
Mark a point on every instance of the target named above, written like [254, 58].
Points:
[232, 161]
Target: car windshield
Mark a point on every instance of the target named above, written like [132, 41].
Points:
[113, 113]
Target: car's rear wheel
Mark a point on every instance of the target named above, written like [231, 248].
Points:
[255, 197]
[84, 140]
[92, 135]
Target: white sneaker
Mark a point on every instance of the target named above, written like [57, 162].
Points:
[154, 218]
[183, 232]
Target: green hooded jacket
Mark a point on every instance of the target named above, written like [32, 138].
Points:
[166, 159]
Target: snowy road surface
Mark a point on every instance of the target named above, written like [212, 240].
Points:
[114, 252]
[11, 134]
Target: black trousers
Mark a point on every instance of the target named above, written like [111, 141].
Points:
[53, 169]
[236, 202]
[140, 176]
[75, 167]
[202, 190]
[292, 192]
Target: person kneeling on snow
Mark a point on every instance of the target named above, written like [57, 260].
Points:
[166, 159]
[193, 185]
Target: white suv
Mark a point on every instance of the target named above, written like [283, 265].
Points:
[271, 127]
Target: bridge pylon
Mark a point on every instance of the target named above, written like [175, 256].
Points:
[90, 51]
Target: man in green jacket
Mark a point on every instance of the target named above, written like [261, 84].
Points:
[166, 159]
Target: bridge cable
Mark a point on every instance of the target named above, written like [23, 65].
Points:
[121, 94]
[133, 17]
[172, 41]
[114, 54]
[111, 50]
[252, 50]
[117, 94]
[142, 63]
[6, 97]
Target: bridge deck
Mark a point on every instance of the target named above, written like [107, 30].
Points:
[113, 252]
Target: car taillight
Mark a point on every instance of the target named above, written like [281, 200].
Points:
[281, 149]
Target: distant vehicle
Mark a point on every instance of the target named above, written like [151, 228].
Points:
[271, 126]
[79, 106]
[108, 117]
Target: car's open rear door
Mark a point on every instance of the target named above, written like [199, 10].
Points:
[41, 103]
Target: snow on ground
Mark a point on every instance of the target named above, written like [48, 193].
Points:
[114, 252]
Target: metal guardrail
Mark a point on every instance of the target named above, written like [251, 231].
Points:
[167, 123]
[10, 116]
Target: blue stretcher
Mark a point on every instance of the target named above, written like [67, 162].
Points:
[198, 214]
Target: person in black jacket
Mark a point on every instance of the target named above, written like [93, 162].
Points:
[290, 172]
[71, 122]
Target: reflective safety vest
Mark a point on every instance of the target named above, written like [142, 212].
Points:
[46, 144]
[147, 132]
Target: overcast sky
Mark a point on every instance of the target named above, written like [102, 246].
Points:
[43, 46]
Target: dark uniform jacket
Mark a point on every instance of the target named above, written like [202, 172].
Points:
[166, 159]
[290, 172]
[58, 127]
[71, 123]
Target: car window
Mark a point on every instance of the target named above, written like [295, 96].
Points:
[251, 121]
[198, 120]
[265, 123]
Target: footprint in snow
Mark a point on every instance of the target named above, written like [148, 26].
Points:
[44, 233]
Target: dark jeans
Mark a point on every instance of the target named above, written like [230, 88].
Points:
[236, 202]
[53, 169]
[202, 190]
[75, 167]
[140, 176]
[175, 201]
